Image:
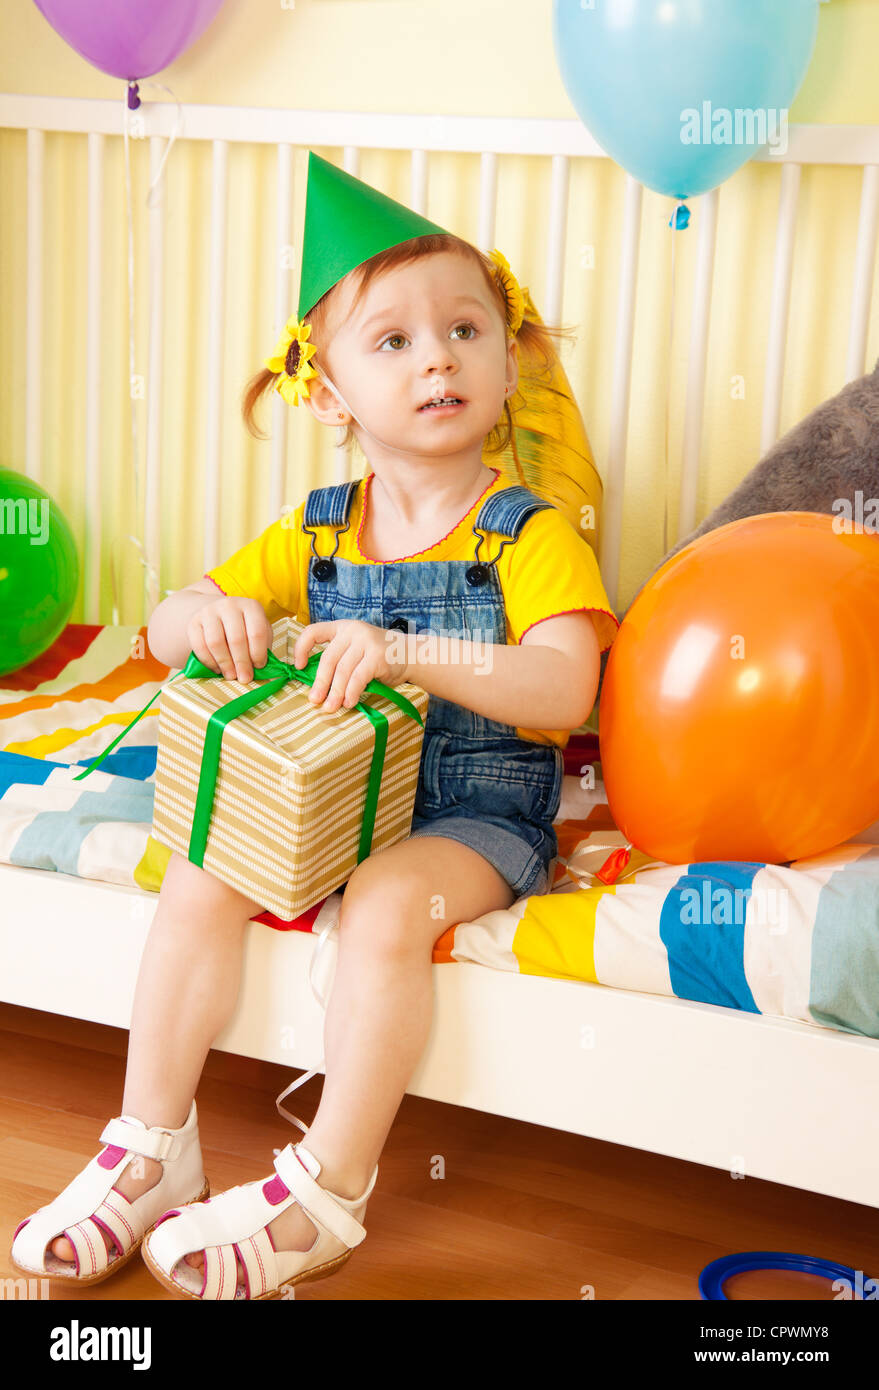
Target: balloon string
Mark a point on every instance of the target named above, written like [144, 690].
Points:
[671, 334]
[151, 571]
[679, 220]
[171, 138]
[133, 412]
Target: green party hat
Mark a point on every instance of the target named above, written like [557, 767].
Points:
[346, 223]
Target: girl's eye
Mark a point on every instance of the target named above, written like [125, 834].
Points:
[391, 337]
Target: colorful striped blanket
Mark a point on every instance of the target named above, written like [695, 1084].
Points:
[798, 941]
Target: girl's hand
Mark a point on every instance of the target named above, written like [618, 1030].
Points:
[357, 653]
[231, 635]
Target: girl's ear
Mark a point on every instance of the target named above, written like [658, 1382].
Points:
[512, 377]
[322, 402]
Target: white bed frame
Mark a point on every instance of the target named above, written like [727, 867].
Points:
[756, 1096]
[759, 1097]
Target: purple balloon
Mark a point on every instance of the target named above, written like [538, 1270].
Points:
[129, 38]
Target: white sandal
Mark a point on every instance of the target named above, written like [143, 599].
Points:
[236, 1222]
[90, 1204]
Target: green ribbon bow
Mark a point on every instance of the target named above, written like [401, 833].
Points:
[277, 673]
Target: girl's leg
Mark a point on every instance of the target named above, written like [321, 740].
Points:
[186, 991]
[397, 903]
[381, 1005]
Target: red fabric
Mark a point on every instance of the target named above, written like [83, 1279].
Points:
[70, 644]
[301, 923]
[580, 749]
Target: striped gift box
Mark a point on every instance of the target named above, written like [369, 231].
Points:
[291, 785]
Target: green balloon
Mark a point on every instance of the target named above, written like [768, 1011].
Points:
[39, 571]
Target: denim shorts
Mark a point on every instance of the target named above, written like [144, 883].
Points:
[501, 803]
[522, 854]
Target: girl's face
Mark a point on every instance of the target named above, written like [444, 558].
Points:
[423, 330]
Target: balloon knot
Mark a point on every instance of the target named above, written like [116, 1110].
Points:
[681, 217]
[614, 865]
[133, 98]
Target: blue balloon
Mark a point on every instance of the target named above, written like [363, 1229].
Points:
[681, 93]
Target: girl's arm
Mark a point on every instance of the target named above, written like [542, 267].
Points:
[166, 629]
[549, 681]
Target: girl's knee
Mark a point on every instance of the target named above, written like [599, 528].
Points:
[196, 891]
[381, 910]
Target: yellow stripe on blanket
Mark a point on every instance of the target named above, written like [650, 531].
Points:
[150, 871]
[47, 744]
[556, 935]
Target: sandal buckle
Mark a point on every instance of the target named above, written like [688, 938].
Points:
[151, 1143]
[170, 1147]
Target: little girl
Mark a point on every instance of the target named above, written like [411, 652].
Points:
[422, 333]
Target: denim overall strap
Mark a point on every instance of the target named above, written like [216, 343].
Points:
[507, 511]
[329, 506]
[504, 512]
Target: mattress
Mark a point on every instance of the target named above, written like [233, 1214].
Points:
[797, 940]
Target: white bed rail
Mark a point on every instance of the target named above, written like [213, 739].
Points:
[559, 141]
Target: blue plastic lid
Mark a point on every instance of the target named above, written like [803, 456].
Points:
[713, 1276]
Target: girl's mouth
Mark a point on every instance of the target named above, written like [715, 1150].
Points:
[445, 407]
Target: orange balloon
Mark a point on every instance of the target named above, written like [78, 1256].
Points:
[739, 715]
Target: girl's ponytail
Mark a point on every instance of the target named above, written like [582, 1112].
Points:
[255, 389]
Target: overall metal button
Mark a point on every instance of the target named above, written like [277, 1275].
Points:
[324, 569]
[476, 575]
[401, 624]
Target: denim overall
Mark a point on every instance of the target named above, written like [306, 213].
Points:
[478, 782]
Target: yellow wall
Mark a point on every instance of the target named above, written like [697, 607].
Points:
[476, 57]
[462, 57]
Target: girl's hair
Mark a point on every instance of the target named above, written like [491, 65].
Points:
[536, 349]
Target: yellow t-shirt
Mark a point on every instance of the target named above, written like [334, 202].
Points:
[550, 570]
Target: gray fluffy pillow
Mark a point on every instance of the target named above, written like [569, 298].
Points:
[832, 454]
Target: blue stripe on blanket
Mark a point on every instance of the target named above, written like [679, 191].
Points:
[844, 983]
[17, 767]
[139, 762]
[53, 838]
[702, 926]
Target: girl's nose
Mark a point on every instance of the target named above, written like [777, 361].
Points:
[438, 364]
[439, 357]
[438, 369]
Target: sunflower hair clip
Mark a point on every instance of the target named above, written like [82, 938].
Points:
[291, 361]
[512, 291]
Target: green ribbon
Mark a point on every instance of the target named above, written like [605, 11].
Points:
[277, 673]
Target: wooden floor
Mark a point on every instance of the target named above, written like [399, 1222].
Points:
[523, 1212]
